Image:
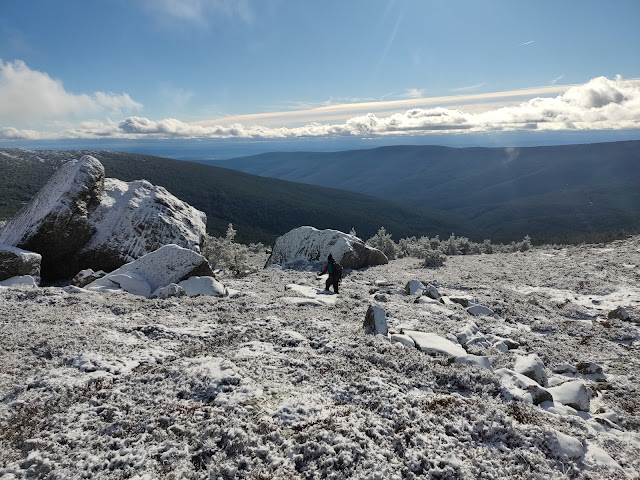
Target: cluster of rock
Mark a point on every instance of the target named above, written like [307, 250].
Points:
[304, 245]
[568, 388]
[80, 220]
[81, 225]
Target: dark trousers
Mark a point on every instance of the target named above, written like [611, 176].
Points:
[332, 281]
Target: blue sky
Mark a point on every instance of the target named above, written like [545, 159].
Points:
[156, 69]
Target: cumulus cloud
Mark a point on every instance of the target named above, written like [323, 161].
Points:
[600, 104]
[27, 95]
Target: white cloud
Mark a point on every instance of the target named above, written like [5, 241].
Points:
[526, 43]
[557, 79]
[468, 88]
[600, 104]
[413, 93]
[29, 95]
[200, 12]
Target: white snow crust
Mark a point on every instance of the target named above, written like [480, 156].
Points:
[252, 386]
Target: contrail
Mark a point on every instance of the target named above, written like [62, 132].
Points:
[526, 43]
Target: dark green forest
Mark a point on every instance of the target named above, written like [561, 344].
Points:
[567, 194]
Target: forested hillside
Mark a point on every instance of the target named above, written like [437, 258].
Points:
[565, 192]
[261, 209]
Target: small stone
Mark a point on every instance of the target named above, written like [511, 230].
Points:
[375, 321]
[620, 313]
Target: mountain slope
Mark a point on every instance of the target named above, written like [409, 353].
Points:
[505, 192]
[261, 209]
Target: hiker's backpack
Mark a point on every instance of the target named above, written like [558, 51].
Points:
[337, 268]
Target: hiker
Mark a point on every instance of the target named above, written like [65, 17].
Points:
[335, 272]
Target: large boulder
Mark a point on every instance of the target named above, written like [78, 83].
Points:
[15, 262]
[56, 223]
[81, 220]
[137, 218]
[167, 265]
[308, 244]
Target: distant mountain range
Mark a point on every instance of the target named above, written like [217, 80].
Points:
[555, 193]
[261, 209]
[567, 193]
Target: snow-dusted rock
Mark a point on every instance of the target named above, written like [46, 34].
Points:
[477, 360]
[375, 321]
[468, 332]
[137, 218]
[477, 310]
[81, 220]
[308, 244]
[171, 290]
[56, 222]
[573, 394]
[565, 446]
[15, 262]
[27, 280]
[434, 344]
[565, 368]
[414, 287]
[86, 276]
[403, 339]
[620, 313]
[465, 301]
[169, 264]
[532, 367]
[522, 388]
[432, 292]
[132, 282]
[302, 301]
[589, 368]
[195, 286]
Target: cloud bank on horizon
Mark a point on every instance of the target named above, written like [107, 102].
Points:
[32, 96]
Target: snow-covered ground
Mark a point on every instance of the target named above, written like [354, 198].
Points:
[280, 380]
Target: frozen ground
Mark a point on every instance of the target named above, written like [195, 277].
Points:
[279, 380]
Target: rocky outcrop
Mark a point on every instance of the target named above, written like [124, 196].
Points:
[308, 244]
[137, 218]
[56, 222]
[167, 265]
[15, 262]
[81, 220]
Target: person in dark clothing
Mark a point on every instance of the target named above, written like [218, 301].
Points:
[333, 279]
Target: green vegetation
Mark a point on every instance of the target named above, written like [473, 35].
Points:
[261, 209]
[569, 193]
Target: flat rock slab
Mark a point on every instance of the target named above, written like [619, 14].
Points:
[302, 302]
[477, 310]
[322, 296]
[434, 344]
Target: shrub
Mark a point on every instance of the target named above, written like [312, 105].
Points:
[433, 259]
[225, 253]
[382, 241]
